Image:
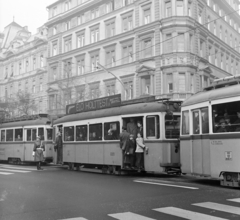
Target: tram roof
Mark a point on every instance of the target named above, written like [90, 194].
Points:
[37, 122]
[122, 110]
[215, 94]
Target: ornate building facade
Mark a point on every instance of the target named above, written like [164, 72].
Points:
[167, 48]
[23, 66]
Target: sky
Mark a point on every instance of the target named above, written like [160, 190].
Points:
[31, 13]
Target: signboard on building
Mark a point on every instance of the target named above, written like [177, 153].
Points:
[95, 104]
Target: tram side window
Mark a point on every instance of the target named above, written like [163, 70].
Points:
[2, 135]
[172, 126]
[111, 130]
[81, 133]
[205, 120]
[34, 134]
[9, 135]
[95, 132]
[196, 128]
[29, 134]
[226, 117]
[41, 133]
[185, 122]
[49, 134]
[19, 134]
[69, 133]
[152, 127]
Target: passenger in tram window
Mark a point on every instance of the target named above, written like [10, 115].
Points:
[237, 122]
[140, 128]
[80, 137]
[228, 124]
[130, 152]
[132, 128]
[18, 138]
[222, 126]
[124, 137]
[139, 152]
[109, 135]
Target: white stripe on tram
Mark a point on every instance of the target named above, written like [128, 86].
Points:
[18, 168]
[5, 173]
[187, 214]
[129, 216]
[79, 218]
[234, 200]
[164, 184]
[219, 207]
[17, 171]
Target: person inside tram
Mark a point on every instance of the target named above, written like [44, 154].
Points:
[109, 135]
[222, 126]
[237, 122]
[80, 137]
[19, 138]
[132, 128]
[228, 124]
[140, 128]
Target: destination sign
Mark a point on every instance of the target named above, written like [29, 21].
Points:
[96, 104]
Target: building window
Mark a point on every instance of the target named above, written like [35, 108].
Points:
[192, 83]
[180, 42]
[127, 53]
[67, 25]
[110, 29]
[127, 2]
[182, 82]
[169, 46]
[27, 65]
[146, 85]
[94, 62]
[80, 65]
[147, 48]
[41, 61]
[67, 96]
[214, 28]
[54, 72]
[179, 7]
[109, 6]
[236, 73]
[80, 19]
[216, 60]
[110, 89]
[169, 83]
[95, 13]
[67, 70]
[200, 16]
[110, 58]
[221, 61]
[67, 5]
[6, 72]
[128, 90]
[227, 64]
[191, 43]
[147, 16]
[34, 63]
[189, 8]
[40, 87]
[209, 54]
[67, 44]
[94, 91]
[20, 67]
[168, 9]
[94, 35]
[34, 89]
[127, 23]
[54, 48]
[231, 43]
[226, 36]
[12, 70]
[80, 40]
[54, 30]
[220, 32]
[80, 93]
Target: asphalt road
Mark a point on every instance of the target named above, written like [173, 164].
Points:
[57, 193]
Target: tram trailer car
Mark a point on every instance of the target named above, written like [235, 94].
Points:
[86, 141]
[18, 136]
[210, 133]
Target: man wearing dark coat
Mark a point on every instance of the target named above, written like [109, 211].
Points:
[124, 137]
[59, 147]
[132, 128]
[38, 149]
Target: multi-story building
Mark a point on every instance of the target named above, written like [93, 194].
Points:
[167, 48]
[23, 65]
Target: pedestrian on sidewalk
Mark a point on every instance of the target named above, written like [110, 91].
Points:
[38, 152]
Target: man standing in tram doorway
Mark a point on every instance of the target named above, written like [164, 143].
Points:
[59, 148]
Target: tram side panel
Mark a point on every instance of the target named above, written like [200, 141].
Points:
[81, 152]
[69, 152]
[186, 154]
[112, 154]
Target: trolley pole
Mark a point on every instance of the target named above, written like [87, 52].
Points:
[107, 71]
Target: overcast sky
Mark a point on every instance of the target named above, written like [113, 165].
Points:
[31, 13]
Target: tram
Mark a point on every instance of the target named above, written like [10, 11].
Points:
[17, 136]
[87, 144]
[210, 132]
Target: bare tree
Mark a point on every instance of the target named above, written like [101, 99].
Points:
[24, 103]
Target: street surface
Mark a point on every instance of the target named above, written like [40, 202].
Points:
[57, 193]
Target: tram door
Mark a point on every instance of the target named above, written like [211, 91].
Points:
[30, 137]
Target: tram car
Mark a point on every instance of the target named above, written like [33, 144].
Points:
[17, 136]
[88, 145]
[210, 132]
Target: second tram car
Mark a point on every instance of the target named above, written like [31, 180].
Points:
[210, 132]
[86, 140]
[17, 136]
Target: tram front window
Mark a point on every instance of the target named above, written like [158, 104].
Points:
[9, 135]
[34, 134]
[49, 134]
[81, 133]
[95, 132]
[152, 127]
[41, 133]
[196, 129]
[19, 134]
[226, 117]
[172, 126]
[3, 135]
[69, 133]
[111, 130]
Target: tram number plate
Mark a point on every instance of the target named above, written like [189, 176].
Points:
[216, 142]
[228, 155]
